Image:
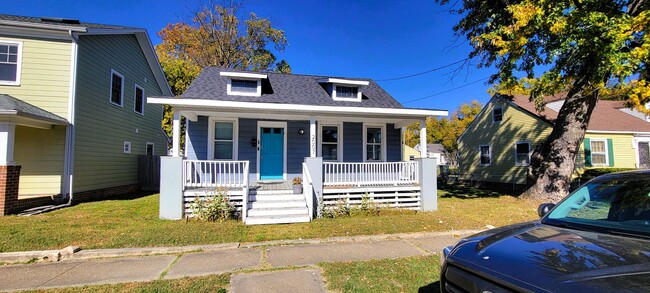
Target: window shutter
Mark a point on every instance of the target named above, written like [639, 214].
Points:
[610, 152]
[587, 152]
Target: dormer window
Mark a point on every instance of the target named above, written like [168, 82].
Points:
[244, 84]
[346, 92]
[345, 89]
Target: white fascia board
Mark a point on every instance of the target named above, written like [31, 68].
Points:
[344, 81]
[243, 75]
[295, 108]
[43, 26]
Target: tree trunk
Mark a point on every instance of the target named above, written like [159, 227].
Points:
[552, 165]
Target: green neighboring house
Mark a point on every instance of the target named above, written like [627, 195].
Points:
[497, 145]
[73, 111]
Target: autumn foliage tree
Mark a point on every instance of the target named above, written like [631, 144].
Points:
[589, 49]
[446, 131]
[217, 37]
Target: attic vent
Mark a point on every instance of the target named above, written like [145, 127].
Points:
[60, 20]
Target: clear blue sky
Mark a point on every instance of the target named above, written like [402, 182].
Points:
[377, 39]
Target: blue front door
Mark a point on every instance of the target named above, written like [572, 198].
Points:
[271, 153]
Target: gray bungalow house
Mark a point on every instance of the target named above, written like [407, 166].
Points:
[253, 133]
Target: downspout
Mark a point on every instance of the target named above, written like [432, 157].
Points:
[68, 155]
[70, 130]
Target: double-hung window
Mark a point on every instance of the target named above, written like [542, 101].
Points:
[138, 99]
[10, 62]
[117, 88]
[497, 115]
[223, 144]
[486, 155]
[374, 143]
[599, 152]
[330, 141]
[522, 154]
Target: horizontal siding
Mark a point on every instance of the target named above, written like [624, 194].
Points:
[297, 146]
[40, 153]
[101, 128]
[516, 126]
[45, 74]
[247, 152]
[197, 139]
[624, 153]
[352, 142]
[393, 143]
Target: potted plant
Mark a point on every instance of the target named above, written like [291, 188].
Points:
[297, 185]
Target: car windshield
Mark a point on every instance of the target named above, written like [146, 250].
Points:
[614, 204]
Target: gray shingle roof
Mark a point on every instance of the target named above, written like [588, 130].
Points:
[281, 88]
[53, 21]
[9, 103]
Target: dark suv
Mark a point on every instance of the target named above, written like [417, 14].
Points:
[595, 240]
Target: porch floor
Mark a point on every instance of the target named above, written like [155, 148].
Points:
[271, 186]
[376, 185]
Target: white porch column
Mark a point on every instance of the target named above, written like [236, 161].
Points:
[7, 134]
[312, 137]
[176, 134]
[423, 138]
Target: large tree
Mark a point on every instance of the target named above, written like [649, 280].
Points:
[445, 131]
[216, 37]
[589, 49]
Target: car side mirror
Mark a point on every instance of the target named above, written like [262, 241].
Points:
[544, 208]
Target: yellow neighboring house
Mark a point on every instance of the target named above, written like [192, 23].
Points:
[73, 115]
[497, 145]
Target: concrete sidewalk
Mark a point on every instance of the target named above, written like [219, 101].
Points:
[146, 264]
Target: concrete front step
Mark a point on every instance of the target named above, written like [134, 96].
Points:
[268, 197]
[276, 220]
[302, 211]
[276, 204]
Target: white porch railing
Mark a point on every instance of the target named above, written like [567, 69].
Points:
[358, 174]
[197, 173]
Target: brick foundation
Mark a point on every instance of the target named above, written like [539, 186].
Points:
[9, 178]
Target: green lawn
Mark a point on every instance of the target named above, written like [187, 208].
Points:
[412, 274]
[133, 222]
[214, 283]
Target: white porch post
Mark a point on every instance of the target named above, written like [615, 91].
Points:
[312, 137]
[7, 134]
[423, 138]
[176, 134]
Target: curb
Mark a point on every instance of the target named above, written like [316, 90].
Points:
[73, 252]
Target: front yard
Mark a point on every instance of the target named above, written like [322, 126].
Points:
[133, 222]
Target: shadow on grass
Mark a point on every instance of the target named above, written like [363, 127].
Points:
[126, 196]
[431, 288]
[464, 191]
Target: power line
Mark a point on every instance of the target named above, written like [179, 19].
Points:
[424, 72]
[449, 90]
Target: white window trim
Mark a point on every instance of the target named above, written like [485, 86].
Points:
[383, 141]
[135, 90]
[494, 121]
[258, 93]
[357, 99]
[479, 154]
[517, 163]
[271, 124]
[110, 91]
[235, 138]
[635, 146]
[153, 148]
[126, 147]
[19, 62]
[606, 152]
[339, 144]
